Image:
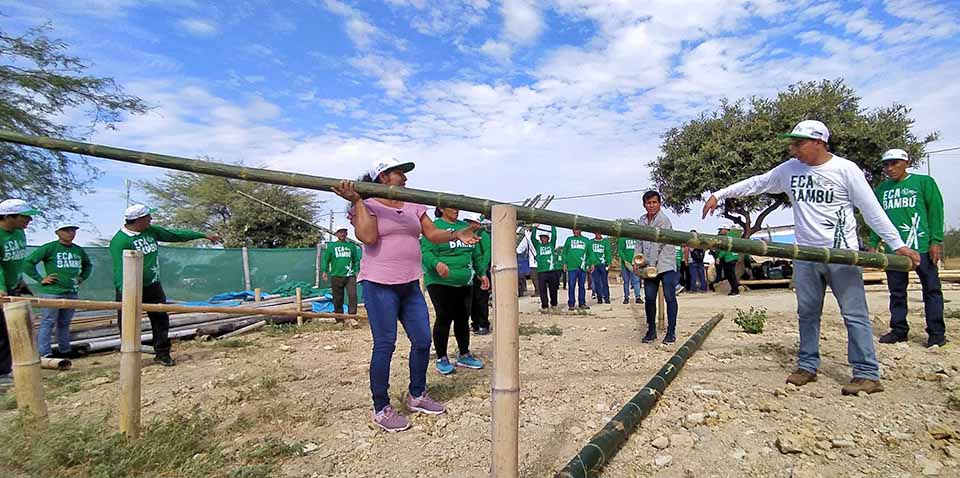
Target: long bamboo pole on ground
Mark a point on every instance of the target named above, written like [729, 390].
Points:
[465, 203]
[239, 310]
[130, 344]
[505, 385]
[605, 444]
[26, 363]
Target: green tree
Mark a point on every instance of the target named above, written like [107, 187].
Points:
[951, 242]
[39, 83]
[741, 139]
[210, 203]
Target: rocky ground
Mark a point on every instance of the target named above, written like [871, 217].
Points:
[728, 413]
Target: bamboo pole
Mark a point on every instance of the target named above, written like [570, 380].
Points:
[244, 330]
[505, 384]
[298, 304]
[256, 294]
[245, 258]
[238, 310]
[26, 363]
[661, 308]
[55, 363]
[605, 444]
[130, 344]
[465, 203]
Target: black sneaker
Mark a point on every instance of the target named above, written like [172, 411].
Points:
[626, 300]
[483, 331]
[892, 337]
[669, 339]
[584, 307]
[650, 336]
[638, 301]
[569, 307]
[165, 360]
[606, 301]
[938, 341]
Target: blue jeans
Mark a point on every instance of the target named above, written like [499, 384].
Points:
[601, 282]
[577, 280]
[59, 317]
[698, 277]
[650, 286]
[386, 305]
[630, 279]
[932, 298]
[811, 280]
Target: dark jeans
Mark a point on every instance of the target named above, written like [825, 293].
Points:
[549, 283]
[159, 321]
[684, 275]
[577, 279]
[730, 273]
[718, 271]
[698, 277]
[452, 306]
[6, 360]
[650, 286]
[601, 282]
[337, 285]
[932, 298]
[480, 309]
[386, 305]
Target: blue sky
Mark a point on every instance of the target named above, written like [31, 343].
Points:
[502, 99]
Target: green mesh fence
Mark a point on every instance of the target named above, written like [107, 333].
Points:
[193, 274]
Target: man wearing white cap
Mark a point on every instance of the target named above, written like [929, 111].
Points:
[15, 215]
[340, 264]
[914, 204]
[140, 235]
[65, 266]
[823, 190]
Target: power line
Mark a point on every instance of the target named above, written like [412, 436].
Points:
[943, 150]
[593, 195]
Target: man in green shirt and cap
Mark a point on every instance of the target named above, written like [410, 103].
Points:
[15, 215]
[577, 259]
[139, 234]
[65, 266]
[915, 206]
[341, 264]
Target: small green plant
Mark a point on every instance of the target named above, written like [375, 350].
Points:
[531, 329]
[751, 321]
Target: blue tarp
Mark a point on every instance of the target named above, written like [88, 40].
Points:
[325, 304]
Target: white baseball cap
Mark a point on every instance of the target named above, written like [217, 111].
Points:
[470, 216]
[341, 227]
[896, 154]
[386, 164]
[809, 129]
[137, 211]
[66, 225]
[17, 206]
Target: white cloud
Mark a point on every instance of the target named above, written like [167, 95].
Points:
[498, 50]
[391, 74]
[522, 20]
[360, 31]
[198, 26]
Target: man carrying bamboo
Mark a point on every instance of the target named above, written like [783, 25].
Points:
[823, 190]
[15, 216]
[140, 235]
[340, 264]
[914, 204]
[661, 261]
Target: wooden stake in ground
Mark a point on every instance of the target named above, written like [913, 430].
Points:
[26, 362]
[130, 344]
[661, 308]
[505, 384]
[299, 305]
[256, 294]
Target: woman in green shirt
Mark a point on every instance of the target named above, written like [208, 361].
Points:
[448, 272]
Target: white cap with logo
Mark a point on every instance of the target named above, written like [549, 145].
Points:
[66, 225]
[341, 227]
[386, 164]
[137, 211]
[809, 129]
[17, 206]
[470, 216]
[895, 154]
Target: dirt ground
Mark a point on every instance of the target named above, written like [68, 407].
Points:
[728, 413]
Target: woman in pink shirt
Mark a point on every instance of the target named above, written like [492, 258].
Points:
[390, 272]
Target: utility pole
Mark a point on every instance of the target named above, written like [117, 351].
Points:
[331, 225]
[127, 181]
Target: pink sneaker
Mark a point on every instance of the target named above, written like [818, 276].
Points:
[424, 404]
[390, 421]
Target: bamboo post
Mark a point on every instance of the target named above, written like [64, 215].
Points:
[130, 344]
[26, 362]
[55, 363]
[245, 255]
[256, 294]
[661, 308]
[299, 305]
[505, 385]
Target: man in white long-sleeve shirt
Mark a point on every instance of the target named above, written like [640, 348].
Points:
[823, 190]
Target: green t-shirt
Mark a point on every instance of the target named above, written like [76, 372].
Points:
[486, 251]
[13, 250]
[915, 206]
[728, 256]
[70, 263]
[578, 253]
[547, 253]
[602, 252]
[340, 259]
[145, 242]
[626, 249]
[463, 260]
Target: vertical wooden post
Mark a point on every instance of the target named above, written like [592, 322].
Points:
[661, 308]
[299, 306]
[316, 281]
[26, 362]
[132, 306]
[245, 255]
[256, 294]
[505, 385]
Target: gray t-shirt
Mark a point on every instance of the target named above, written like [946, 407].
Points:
[663, 256]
